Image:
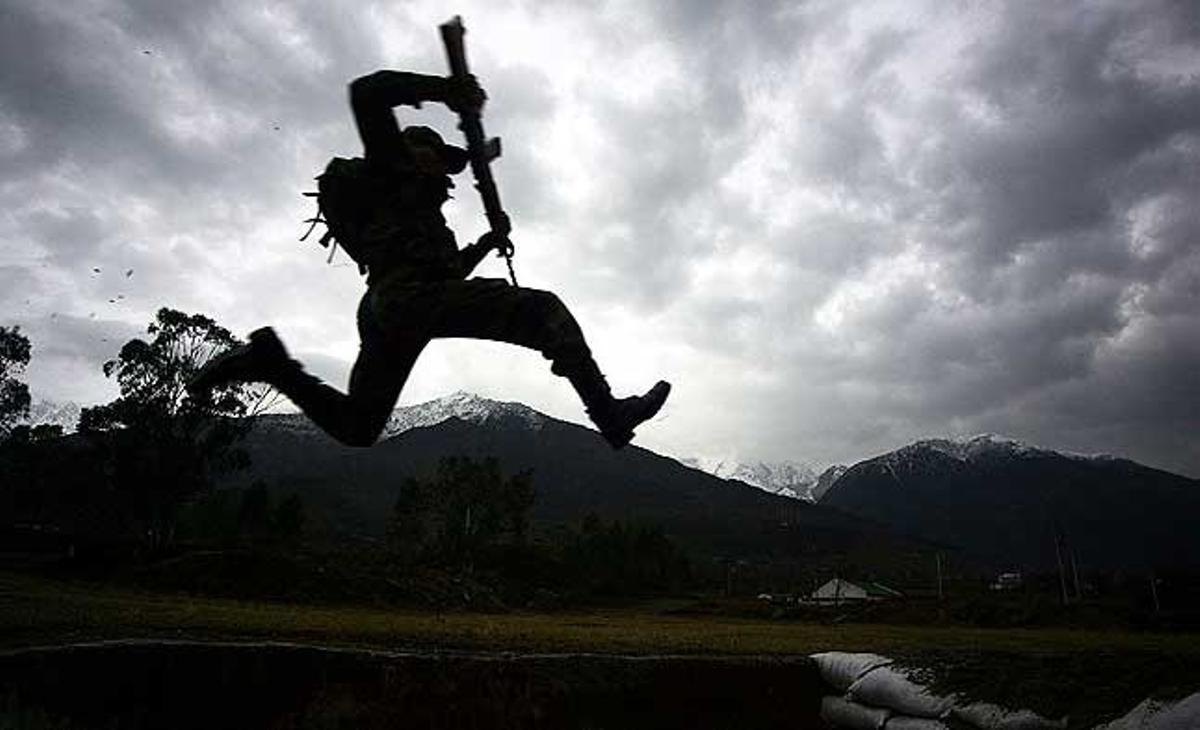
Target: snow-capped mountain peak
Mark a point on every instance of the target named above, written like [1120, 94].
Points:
[967, 448]
[44, 412]
[971, 448]
[786, 478]
[466, 406]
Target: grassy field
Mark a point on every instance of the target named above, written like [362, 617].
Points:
[1084, 674]
[35, 610]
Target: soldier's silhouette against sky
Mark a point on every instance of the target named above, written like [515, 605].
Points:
[842, 226]
[385, 209]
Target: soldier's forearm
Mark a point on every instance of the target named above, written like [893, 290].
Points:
[396, 88]
[470, 256]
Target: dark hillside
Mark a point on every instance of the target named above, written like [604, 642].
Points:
[575, 474]
[1009, 503]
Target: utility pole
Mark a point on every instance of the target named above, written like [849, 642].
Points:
[1074, 572]
[1062, 573]
[941, 594]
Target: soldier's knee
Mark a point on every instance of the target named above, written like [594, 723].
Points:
[546, 302]
[360, 431]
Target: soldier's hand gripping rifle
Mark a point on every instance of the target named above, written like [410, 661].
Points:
[480, 149]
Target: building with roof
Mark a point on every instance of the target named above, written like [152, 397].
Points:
[839, 590]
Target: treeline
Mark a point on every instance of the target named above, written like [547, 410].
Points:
[470, 518]
[137, 485]
[459, 536]
[133, 461]
[251, 517]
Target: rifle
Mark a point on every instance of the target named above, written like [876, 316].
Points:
[480, 150]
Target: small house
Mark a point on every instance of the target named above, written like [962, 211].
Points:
[840, 590]
[1007, 582]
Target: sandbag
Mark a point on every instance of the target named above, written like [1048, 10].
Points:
[1156, 715]
[843, 714]
[899, 722]
[986, 716]
[840, 669]
[1136, 719]
[888, 686]
[1183, 714]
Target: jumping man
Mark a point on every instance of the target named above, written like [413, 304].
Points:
[389, 219]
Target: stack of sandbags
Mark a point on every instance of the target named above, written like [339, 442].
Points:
[987, 716]
[1155, 715]
[869, 692]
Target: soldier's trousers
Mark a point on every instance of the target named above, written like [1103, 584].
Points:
[397, 320]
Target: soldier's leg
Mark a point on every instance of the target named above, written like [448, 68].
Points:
[355, 418]
[490, 309]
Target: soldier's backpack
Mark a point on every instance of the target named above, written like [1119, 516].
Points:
[340, 206]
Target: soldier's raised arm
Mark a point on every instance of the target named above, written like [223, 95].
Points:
[372, 98]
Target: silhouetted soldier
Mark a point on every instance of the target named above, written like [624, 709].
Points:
[417, 288]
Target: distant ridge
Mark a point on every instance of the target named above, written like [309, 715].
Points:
[794, 479]
[968, 448]
[44, 412]
[1010, 502]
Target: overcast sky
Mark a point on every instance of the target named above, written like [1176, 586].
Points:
[836, 227]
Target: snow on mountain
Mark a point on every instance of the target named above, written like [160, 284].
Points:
[807, 481]
[785, 478]
[827, 480]
[970, 448]
[466, 406]
[44, 412]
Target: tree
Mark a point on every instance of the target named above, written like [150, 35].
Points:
[626, 558]
[14, 395]
[288, 522]
[254, 517]
[162, 443]
[467, 508]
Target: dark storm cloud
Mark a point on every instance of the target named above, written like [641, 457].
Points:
[195, 101]
[1008, 247]
[520, 117]
[1072, 120]
[139, 145]
[667, 143]
[1039, 308]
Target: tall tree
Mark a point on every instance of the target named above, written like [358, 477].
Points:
[163, 444]
[14, 395]
[466, 508]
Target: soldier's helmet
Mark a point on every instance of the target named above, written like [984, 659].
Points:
[423, 145]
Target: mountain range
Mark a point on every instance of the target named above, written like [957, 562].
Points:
[575, 474]
[1004, 503]
[1022, 506]
[65, 414]
[796, 479]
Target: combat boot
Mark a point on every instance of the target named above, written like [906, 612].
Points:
[262, 359]
[615, 417]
